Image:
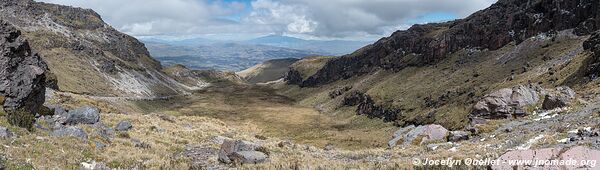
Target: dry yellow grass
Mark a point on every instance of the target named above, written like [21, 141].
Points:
[278, 116]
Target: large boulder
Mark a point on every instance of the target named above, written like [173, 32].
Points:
[240, 151]
[82, 115]
[420, 135]
[562, 98]
[577, 153]
[70, 131]
[507, 101]
[22, 77]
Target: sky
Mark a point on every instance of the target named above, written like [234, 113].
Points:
[243, 19]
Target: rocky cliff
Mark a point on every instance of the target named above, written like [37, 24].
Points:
[492, 28]
[22, 77]
[86, 55]
[593, 46]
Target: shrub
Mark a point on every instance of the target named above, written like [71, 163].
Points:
[21, 118]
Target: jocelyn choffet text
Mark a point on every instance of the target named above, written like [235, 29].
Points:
[450, 162]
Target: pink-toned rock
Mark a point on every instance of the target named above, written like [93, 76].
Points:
[507, 101]
[577, 154]
[426, 134]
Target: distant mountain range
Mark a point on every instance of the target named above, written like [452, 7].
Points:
[200, 53]
[220, 56]
[328, 47]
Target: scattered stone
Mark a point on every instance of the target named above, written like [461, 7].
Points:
[157, 129]
[596, 144]
[201, 157]
[45, 123]
[100, 145]
[83, 115]
[582, 134]
[473, 129]
[95, 165]
[70, 131]
[104, 131]
[456, 136]
[566, 91]
[562, 99]
[58, 109]
[573, 153]
[6, 134]
[123, 126]
[231, 146]
[139, 144]
[248, 157]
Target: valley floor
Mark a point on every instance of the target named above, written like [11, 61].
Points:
[186, 132]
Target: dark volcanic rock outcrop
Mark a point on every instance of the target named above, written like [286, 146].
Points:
[22, 76]
[504, 22]
[593, 46]
[368, 107]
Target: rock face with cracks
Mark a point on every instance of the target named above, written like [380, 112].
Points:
[507, 101]
[492, 28]
[22, 77]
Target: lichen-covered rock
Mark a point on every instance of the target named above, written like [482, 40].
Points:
[507, 101]
[399, 135]
[70, 131]
[425, 134]
[103, 131]
[577, 153]
[230, 147]
[123, 126]
[82, 115]
[22, 77]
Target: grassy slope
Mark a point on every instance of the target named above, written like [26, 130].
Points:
[268, 71]
[457, 81]
[277, 116]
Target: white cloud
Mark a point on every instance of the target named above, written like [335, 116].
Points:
[311, 18]
[341, 18]
[149, 17]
